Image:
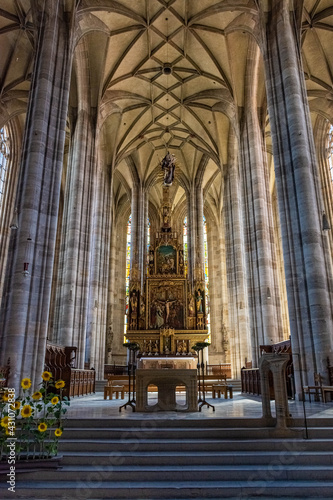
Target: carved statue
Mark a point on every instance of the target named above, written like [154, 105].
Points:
[199, 300]
[134, 302]
[168, 166]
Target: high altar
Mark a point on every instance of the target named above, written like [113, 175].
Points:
[166, 317]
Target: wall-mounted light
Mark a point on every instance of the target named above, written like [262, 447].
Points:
[27, 257]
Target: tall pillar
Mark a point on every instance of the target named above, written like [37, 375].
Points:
[25, 308]
[300, 203]
[99, 275]
[239, 341]
[77, 237]
[265, 315]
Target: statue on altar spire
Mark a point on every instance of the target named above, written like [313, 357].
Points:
[168, 165]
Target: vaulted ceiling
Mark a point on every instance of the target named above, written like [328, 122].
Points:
[165, 75]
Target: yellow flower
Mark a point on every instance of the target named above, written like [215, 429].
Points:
[46, 376]
[42, 427]
[55, 400]
[5, 396]
[59, 384]
[37, 395]
[26, 411]
[26, 383]
[4, 421]
[17, 405]
[58, 432]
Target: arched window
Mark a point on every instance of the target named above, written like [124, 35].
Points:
[4, 162]
[128, 266]
[207, 302]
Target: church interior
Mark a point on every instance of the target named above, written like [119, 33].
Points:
[166, 193]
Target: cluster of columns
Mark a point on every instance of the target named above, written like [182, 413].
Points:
[85, 263]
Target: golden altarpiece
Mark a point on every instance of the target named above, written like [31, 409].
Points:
[167, 316]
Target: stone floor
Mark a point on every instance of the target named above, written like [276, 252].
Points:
[94, 406]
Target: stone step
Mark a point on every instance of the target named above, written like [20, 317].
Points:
[183, 433]
[119, 445]
[189, 473]
[94, 489]
[197, 458]
[179, 420]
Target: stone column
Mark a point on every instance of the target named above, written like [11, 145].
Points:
[78, 219]
[135, 230]
[191, 225]
[239, 331]
[265, 316]
[99, 275]
[200, 245]
[216, 262]
[77, 237]
[300, 203]
[26, 302]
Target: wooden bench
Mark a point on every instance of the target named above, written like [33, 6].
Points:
[218, 389]
[211, 380]
[114, 389]
[116, 384]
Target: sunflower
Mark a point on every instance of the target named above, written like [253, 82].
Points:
[17, 405]
[37, 395]
[5, 396]
[42, 427]
[26, 411]
[55, 400]
[59, 384]
[46, 376]
[58, 432]
[4, 421]
[26, 383]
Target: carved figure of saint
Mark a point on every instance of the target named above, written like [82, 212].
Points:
[199, 299]
[159, 317]
[168, 167]
[191, 306]
[134, 302]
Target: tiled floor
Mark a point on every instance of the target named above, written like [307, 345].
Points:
[94, 406]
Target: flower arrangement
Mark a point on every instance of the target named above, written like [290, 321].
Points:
[35, 420]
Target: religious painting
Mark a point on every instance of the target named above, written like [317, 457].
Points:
[167, 305]
[166, 259]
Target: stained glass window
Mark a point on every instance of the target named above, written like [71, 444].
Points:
[207, 302]
[330, 151]
[148, 242]
[4, 161]
[185, 244]
[128, 266]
